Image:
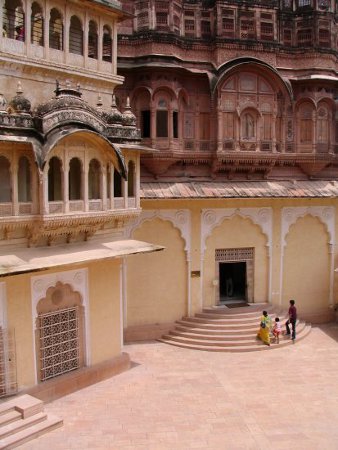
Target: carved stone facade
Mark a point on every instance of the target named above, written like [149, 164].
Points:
[233, 91]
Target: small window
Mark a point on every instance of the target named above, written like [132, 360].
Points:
[175, 124]
[55, 30]
[145, 124]
[248, 126]
[75, 36]
[37, 25]
[107, 44]
[13, 20]
[162, 124]
[92, 40]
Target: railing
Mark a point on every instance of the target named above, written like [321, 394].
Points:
[76, 205]
[25, 209]
[6, 209]
[118, 203]
[95, 205]
[55, 207]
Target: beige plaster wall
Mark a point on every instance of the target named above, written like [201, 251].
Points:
[306, 266]
[156, 283]
[235, 233]
[104, 310]
[104, 316]
[19, 317]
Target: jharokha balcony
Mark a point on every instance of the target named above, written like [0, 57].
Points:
[66, 162]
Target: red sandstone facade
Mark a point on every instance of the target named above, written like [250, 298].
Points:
[233, 90]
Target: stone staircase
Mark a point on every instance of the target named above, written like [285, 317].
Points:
[222, 329]
[23, 419]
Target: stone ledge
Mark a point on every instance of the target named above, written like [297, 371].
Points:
[73, 381]
[147, 332]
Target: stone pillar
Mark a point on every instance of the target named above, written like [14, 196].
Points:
[111, 190]
[104, 188]
[66, 184]
[100, 44]
[85, 189]
[14, 183]
[66, 34]
[28, 26]
[46, 30]
[85, 38]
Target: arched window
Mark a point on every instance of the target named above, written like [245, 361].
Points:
[117, 184]
[306, 124]
[54, 180]
[323, 125]
[24, 180]
[55, 30]
[75, 36]
[248, 126]
[107, 44]
[60, 326]
[5, 180]
[13, 21]
[94, 191]
[75, 179]
[162, 119]
[92, 40]
[131, 179]
[37, 37]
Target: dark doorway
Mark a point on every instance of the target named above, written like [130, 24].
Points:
[232, 281]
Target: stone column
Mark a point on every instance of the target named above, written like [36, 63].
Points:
[66, 34]
[28, 26]
[85, 189]
[66, 184]
[46, 30]
[104, 188]
[14, 183]
[85, 38]
[111, 190]
[100, 44]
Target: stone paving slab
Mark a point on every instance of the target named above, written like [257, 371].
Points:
[181, 399]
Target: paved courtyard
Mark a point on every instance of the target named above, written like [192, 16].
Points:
[173, 398]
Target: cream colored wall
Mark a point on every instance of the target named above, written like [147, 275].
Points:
[156, 283]
[19, 317]
[306, 266]
[104, 316]
[307, 241]
[104, 305]
[236, 233]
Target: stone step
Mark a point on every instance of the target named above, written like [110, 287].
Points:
[238, 312]
[217, 335]
[212, 329]
[9, 416]
[19, 425]
[254, 321]
[233, 318]
[30, 433]
[25, 404]
[258, 346]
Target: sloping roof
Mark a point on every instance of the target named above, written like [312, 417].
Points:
[240, 189]
[34, 259]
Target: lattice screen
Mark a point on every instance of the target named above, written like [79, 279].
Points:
[8, 379]
[234, 254]
[59, 342]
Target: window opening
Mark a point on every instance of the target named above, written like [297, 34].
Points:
[92, 40]
[55, 30]
[24, 180]
[5, 180]
[54, 180]
[75, 36]
[107, 44]
[131, 179]
[117, 184]
[94, 180]
[145, 124]
[75, 179]
[37, 25]
[13, 20]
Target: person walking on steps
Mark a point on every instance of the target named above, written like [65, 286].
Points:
[291, 320]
